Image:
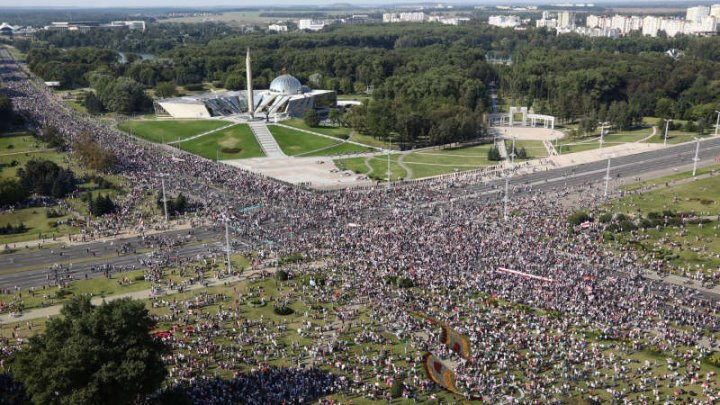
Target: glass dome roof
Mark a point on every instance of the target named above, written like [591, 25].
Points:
[286, 84]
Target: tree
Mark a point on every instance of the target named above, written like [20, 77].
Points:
[44, 177]
[312, 119]
[494, 154]
[7, 114]
[11, 192]
[234, 81]
[92, 355]
[165, 90]
[93, 103]
[92, 155]
[102, 205]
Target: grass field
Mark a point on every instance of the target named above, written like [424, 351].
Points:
[421, 164]
[38, 224]
[690, 247]
[296, 143]
[378, 165]
[236, 142]
[611, 139]
[535, 149]
[341, 132]
[170, 130]
[18, 148]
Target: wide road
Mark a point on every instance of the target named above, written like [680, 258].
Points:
[29, 268]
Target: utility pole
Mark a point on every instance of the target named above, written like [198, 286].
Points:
[607, 178]
[227, 246]
[162, 181]
[667, 125]
[717, 123]
[389, 173]
[697, 153]
[505, 200]
[602, 134]
[512, 155]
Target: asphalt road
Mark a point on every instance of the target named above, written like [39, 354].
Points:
[25, 269]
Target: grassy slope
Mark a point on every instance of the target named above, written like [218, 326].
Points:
[295, 143]
[235, 137]
[157, 131]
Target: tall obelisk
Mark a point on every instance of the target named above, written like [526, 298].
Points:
[248, 70]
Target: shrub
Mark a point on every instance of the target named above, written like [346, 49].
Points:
[405, 283]
[605, 217]
[140, 278]
[712, 359]
[578, 217]
[281, 275]
[396, 388]
[283, 310]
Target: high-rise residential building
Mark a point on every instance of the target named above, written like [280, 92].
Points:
[695, 14]
[715, 10]
[566, 19]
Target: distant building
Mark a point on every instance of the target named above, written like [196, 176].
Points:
[278, 28]
[415, 16]
[566, 19]
[695, 14]
[311, 25]
[699, 21]
[505, 21]
[87, 26]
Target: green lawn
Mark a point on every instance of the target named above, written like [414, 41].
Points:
[378, 165]
[691, 246]
[296, 143]
[422, 164]
[700, 196]
[169, 130]
[236, 142]
[37, 224]
[339, 132]
[535, 149]
[17, 148]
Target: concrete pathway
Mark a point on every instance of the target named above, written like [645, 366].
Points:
[267, 142]
[550, 148]
[202, 134]
[408, 170]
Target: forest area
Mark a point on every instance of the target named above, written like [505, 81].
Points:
[428, 83]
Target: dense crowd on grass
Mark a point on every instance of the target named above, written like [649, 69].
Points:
[582, 335]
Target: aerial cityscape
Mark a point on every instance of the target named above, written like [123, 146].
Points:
[400, 203]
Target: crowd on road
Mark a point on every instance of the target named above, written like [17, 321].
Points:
[590, 332]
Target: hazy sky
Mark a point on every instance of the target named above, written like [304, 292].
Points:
[241, 3]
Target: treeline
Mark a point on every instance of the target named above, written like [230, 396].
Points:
[621, 88]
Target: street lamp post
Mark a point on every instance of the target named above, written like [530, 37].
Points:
[717, 123]
[227, 246]
[697, 154]
[512, 155]
[505, 200]
[162, 181]
[607, 178]
[667, 126]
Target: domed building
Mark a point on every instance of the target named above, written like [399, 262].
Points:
[285, 98]
[286, 84]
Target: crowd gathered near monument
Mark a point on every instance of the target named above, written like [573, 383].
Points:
[576, 333]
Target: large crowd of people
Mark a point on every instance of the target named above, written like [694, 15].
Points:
[583, 334]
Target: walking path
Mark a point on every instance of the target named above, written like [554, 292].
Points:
[266, 140]
[405, 167]
[550, 148]
[202, 134]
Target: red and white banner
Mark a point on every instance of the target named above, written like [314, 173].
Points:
[524, 275]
